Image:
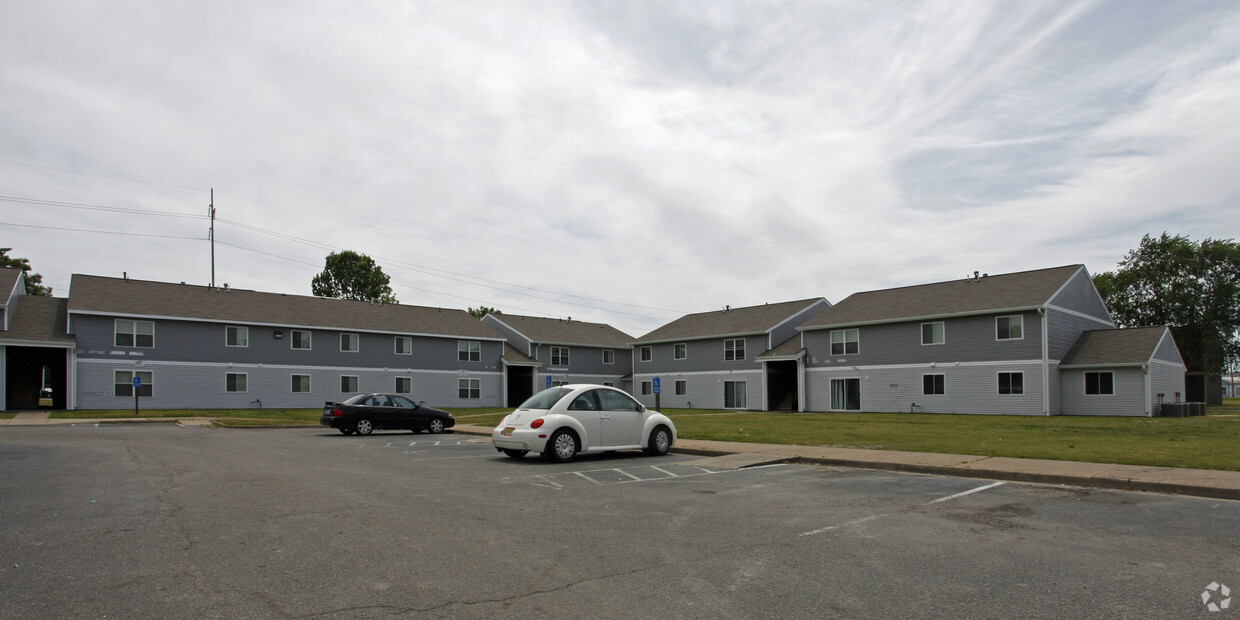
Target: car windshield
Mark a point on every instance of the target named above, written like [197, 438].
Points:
[545, 399]
[356, 400]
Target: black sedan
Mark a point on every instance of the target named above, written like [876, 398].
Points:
[365, 413]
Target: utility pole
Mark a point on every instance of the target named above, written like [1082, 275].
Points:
[211, 212]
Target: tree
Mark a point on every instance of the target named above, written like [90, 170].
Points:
[349, 275]
[34, 281]
[1193, 288]
[482, 311]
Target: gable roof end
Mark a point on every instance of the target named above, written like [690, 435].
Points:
[747, 321]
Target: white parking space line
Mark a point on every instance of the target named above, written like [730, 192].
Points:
[861, 520]
[969, 492]
[664, 471]
[621, 471]
[583, 475]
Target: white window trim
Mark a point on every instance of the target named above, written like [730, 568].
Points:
[1010, 372]
[356, 379]
[647, 388]
[677, 385]
[923, 334]
[676, 349]
[242, 374]
[645, 354]
[562, 353]
[291, 339]
[131, 374]
[1010, 316]
[1085, 382]
[396, 388]
[396, 347]
[744, 353]
[831, 341]
[356, 338]
[241, 329]
[937, 374]
[469, 383]
[606, 355]
[309, 384]
[469, 350]
[116, 331]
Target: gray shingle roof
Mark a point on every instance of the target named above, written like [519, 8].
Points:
[561, 331]
[38, 319]
[516, 358]
[1026, 289]
[8, 281]
[116, 296]
[733, 322]
[789, 348]
[1114, 347]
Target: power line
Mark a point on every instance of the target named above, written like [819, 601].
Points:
[102, 232]
[90, 207]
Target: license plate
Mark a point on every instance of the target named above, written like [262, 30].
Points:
[508, 432]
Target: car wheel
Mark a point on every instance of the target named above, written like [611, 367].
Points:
[562, 446]
[364, 427]
[435, 426]
[660, 441]
[346, 431]
[514, 454]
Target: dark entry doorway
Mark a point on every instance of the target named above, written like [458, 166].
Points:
[781, 384]
[520, 384]
[28, 370]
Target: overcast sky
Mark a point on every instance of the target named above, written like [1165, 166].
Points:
[623, 162]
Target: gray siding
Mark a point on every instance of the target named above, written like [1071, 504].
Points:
[1064, 329]
[966, 339]
[514, 338]
[586, 360]
[788, 328]
[201, 385]
[704, 390]
[1167, 351]
[1080, 295]
[198, 342]
[703, 355]
[970, 388]
[1129, 399]
[1168, 380]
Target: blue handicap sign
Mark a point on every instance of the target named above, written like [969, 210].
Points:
[137, 381]
[548, 381]
[656, 385]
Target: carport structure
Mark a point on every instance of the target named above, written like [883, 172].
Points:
[36, 350]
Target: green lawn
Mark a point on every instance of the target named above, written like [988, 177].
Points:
[1208, 442]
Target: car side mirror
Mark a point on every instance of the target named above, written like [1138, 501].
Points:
[641, 408]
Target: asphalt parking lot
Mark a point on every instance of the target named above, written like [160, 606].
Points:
[160, 520]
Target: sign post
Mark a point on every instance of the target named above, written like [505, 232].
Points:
[137, 383]
[657, 390]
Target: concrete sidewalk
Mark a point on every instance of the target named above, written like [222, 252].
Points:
[1178, 481]
[1195, 482]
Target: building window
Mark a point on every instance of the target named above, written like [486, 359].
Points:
[138, 334]
[682, 387]
[647, 353]
[1010, 327]
[933, 384]
[349, 343]
[682, 350]
[469, 388]
[1099, 383]
[404, 345]
[468, 351]
[236, 336]
[348, 384]
[734, 395]
[404, 385]
[300, 339]
[124, 383]
[609, 356]
[301, 383]
[559, 356]
[932, 333]
[1011, 383]
[845, 342]
[647, 388]
[734, 349]
[235, 382]
[846, 394]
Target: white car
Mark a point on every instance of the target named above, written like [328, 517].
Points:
[561, 421]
